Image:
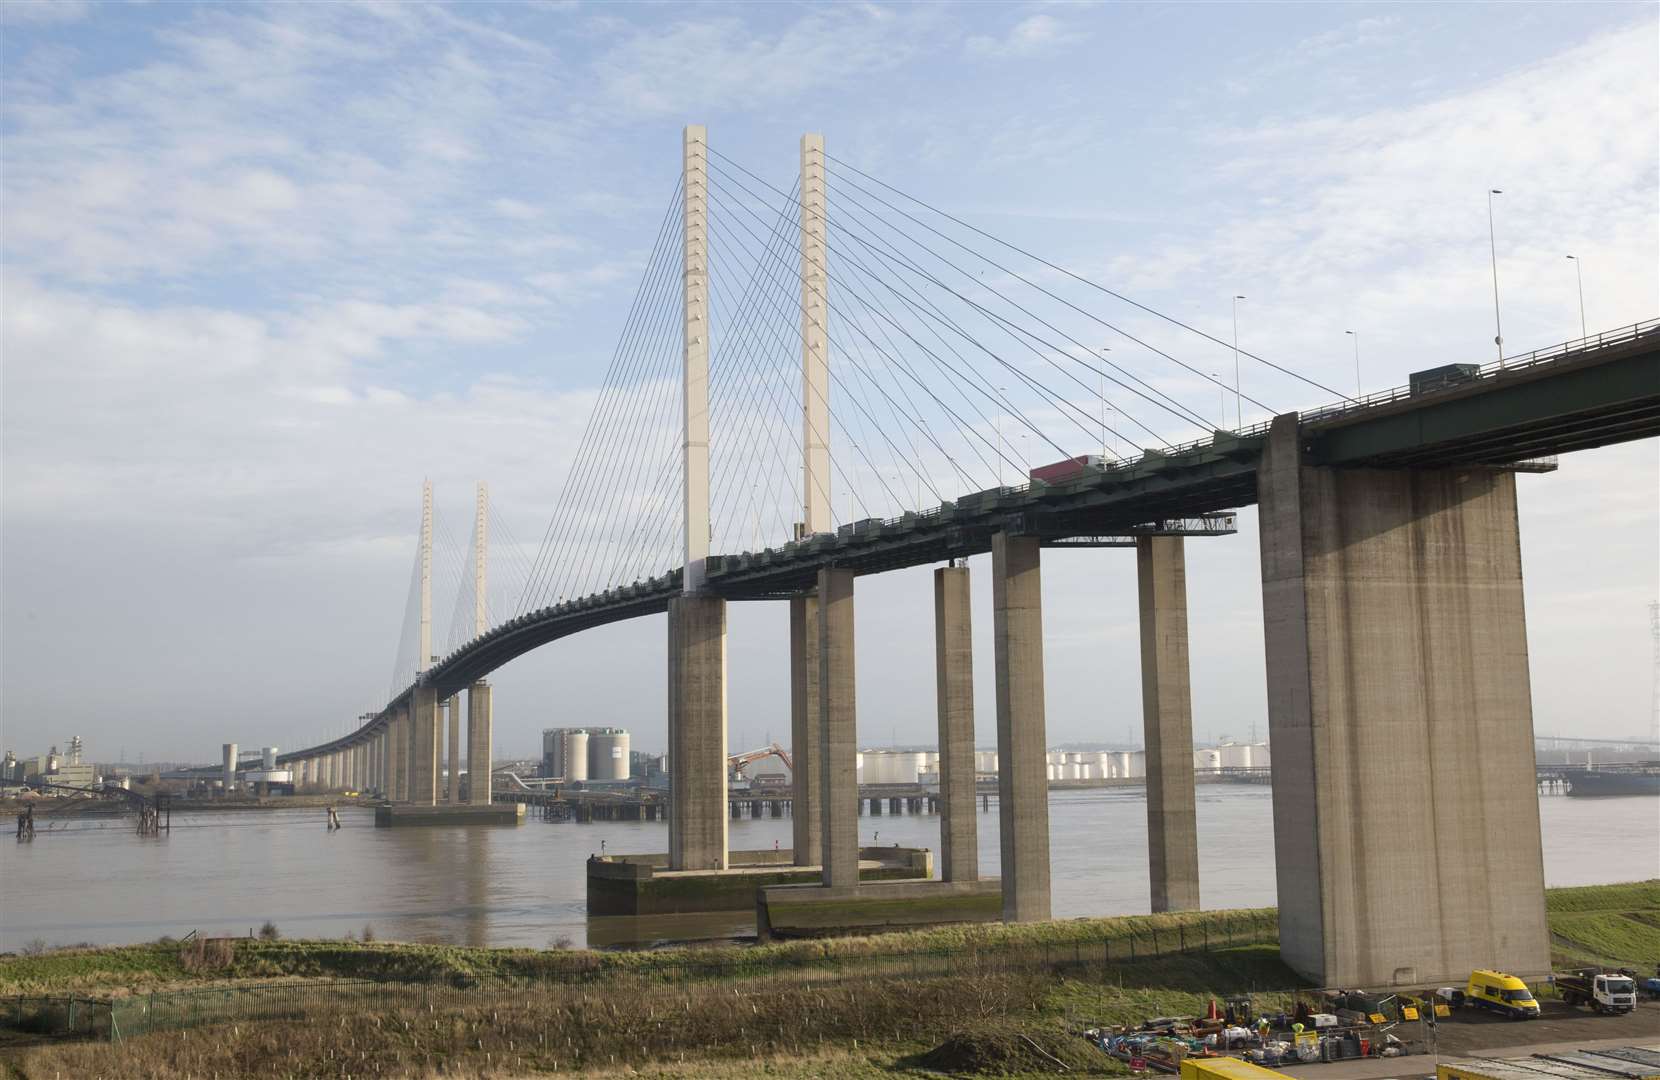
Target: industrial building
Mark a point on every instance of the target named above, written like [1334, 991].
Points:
[922, 766]
[586, 755]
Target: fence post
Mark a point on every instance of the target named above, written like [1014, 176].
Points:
[71, 1014]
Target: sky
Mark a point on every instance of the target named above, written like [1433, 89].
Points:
[268, 267]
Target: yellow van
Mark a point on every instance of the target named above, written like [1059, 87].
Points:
[1502, 993]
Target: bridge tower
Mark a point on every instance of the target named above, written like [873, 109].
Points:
[697, 619]
[479, 715]
[806, 730]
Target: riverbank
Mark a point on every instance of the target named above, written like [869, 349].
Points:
[971, 998]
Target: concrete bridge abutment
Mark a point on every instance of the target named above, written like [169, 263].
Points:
[1406, 818]
[697, 732]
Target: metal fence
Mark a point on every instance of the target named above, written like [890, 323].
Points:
[118, 1017]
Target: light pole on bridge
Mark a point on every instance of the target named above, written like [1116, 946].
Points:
[1356, 336]
[1579, 279]
[1238, 407]
[1493, 250]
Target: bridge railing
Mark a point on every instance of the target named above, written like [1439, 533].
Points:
[1491, 369]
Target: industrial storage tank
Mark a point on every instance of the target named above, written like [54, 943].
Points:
[268, 758]
[565, 751]
[1235, 755]
[607, 754]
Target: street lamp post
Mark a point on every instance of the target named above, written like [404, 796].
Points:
[1579, 278]
[1001, 390]
[1493, 250]
[1238, 408]
[1104, 349]
[1359, 393]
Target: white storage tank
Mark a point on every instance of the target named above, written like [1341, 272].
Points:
[1207, 760]
[268, 758]
[565, 751]
[985, 761]
[1235, 755]
[608, 754]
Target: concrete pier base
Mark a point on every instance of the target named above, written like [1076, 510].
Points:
[794, 911]
[1022, 774]
[838, 765]
[697, 733]
[391, 817]
[805, 735]
[954, 688]
[646, 885]
[452, 756]
[1167, 721]
[1406, 818]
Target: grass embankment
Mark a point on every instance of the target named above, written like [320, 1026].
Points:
[777, 1010]
[1605, 924]
[848, 1025]
[164, 965]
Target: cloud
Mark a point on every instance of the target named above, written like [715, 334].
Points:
[1030, 36]
[43, 12]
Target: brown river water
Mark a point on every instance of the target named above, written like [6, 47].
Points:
[94, 880]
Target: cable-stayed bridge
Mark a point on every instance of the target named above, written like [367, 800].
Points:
[834, 378]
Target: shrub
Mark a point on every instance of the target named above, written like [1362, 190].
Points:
[269, 931]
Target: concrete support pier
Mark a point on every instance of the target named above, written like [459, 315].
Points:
[452, 758]
[423, 769]
[1167, 722]
[838, 776]
[1398, 678]
[479, 718]
[1022, 768]
[697, 732]
[805, 734]
[954, 677]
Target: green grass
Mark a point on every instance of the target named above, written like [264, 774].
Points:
[1593, 924]
[1606, 925]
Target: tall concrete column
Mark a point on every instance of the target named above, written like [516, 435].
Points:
[227, 778]
[954, 689]
[479, 719]
[452, 783]
[1396, 650]
[838, 729]
[697, 732]
[1022, 768]
[398, 751]
[423, 769]
[805, 736]
[1167, 723]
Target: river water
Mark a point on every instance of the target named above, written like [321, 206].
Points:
[93, 880]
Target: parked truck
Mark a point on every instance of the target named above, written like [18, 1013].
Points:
[1604, 991]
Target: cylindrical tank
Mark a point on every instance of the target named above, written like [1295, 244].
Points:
[1235, 755]
[268, 758]
[576, 754]
[229, 777]
[1207, 760]
[608, 754]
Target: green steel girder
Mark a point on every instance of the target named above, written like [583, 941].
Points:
[1504, 418]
